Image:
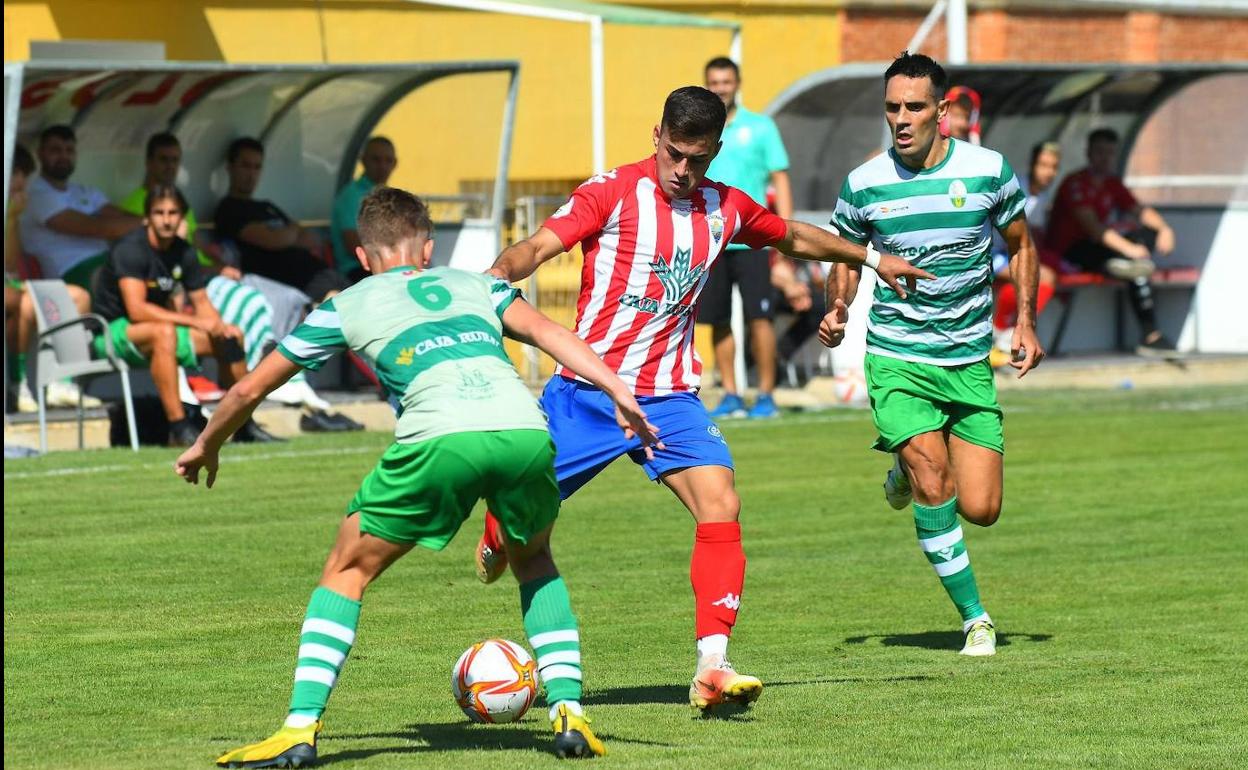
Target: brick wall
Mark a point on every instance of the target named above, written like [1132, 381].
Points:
[1203, 38]
[871, 35]
[995, 34]
[1091, 37]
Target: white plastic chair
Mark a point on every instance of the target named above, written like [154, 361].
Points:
[61, 349]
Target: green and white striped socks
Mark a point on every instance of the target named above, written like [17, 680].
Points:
[324, 643]
[940, 537]
[551, 628]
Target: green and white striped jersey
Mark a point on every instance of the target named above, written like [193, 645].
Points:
[435, 339]
[936, 219]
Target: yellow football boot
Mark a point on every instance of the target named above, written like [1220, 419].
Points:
[573, 738]
[288, 747]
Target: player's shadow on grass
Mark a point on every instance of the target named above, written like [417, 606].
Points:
[943, 640]
[454, 736]
[664, 695]
[633, 696]
[677, 694]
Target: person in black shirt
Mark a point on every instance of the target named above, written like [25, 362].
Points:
[269, 242]
[133, 292]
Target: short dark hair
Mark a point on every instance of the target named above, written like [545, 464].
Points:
[722, 63]
[163, 192]
[1040, 147]
[693, 112]
[58, 131]
[377, 140]
[1103, 135]
[389, 215]
[23, 161]
[160, 141]
[917, 65]
[241, 145]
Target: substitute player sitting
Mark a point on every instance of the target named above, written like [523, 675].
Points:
[134, 292]
[651, 232]
[468, 429]
[931, 388]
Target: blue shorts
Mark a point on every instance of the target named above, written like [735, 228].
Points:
[587, 438]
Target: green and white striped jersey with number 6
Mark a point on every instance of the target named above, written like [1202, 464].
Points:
[435, 339]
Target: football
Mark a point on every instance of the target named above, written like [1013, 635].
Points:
[850, 388]
[495, 681]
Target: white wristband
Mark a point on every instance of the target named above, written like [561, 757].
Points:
[873, 257]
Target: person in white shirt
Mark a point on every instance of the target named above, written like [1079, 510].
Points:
[19, 309]
[67, 226]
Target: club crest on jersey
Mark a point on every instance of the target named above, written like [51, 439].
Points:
[957, 193]
[677, 276]
[716, 223]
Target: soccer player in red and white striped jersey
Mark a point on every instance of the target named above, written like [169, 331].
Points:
[650, 232]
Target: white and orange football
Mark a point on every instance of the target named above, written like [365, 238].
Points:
[495, 681]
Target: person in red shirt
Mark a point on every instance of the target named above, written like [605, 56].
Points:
[651, 232]
[962, 118]
[1099, 226]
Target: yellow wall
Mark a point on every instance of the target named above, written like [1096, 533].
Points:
[447, 132]
[552, 141]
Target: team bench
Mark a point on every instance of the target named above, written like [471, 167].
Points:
[1069, 285]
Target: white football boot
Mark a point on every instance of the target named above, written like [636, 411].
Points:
[981, 640]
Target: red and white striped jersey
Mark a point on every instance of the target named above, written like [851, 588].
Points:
[646, 261]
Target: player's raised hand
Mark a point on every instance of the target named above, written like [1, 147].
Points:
[632, 420]
[893, 270]
[832, 327]
[192, 460]
[1025, 346]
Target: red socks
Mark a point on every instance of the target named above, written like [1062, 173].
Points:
[1007, 304]
[493, 535]
[717, 572]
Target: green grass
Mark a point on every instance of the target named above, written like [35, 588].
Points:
[152, 625]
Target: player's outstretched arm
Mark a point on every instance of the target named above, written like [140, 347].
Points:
[1025, 272]
[519, 260]
[525, 323]
[805, 241]
[234, 410]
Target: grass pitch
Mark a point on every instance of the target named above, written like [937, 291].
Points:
[153, 625]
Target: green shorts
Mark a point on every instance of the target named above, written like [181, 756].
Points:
[421, 493]
[909, 398]
[127, 352]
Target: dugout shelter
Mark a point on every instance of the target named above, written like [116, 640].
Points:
[312, 118]
[1181, 154]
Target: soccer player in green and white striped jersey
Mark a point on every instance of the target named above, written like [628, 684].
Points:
[468, 429]
[932, 393]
